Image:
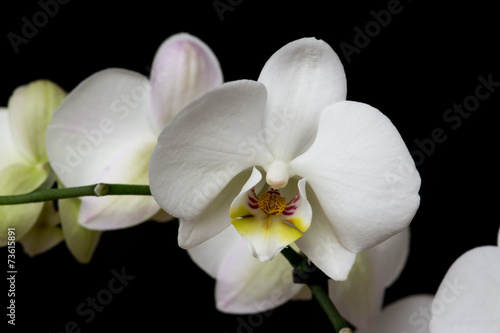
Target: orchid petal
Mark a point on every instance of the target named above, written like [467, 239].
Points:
[8, 151]
[81, 241]
[409, 315]
[241, 205]
[302, 79]
[20, 179]
[359, 299]
[267, 233]
[214, 219]
[113, 212]
[161, 216]
[240, 286]
[321, 246]
[210, 255]
[362, 174]
[183, 68]
[468, 299]
[498, 238]
[30, 109]
[45, 234]
[102, 133]
[392, 255]
[188, 171]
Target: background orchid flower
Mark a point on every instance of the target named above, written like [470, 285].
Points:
[108, 125]
[250, 149]
[24, 165]
[467, 300]
[247, 285]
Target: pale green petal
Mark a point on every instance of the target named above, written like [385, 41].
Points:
[20, 179]
[45, 234]
[8, 151]
[30, 109]
[162, 216]
[81, 241]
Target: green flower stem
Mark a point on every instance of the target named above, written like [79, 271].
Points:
[97, 190]
[318, 288]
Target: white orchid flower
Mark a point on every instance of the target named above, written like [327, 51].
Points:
[24, 166]
[348, 180]
[467, 300]
[247, 285]
[107, 127]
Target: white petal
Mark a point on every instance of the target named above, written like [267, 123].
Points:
[407, 315]
[391, 255]
[360, 298]
[468, 299]
[362, 174]
[319, 243]
[46, 232]
[102, 133]
[113, 212]
[302, 78]
[210, 255]
[246, 285]
[183, 68]
[239, 206]
[104, 114]
[211, 141]
[31, 107]
[214, 219]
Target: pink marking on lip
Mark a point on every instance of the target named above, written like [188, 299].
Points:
[253, 206]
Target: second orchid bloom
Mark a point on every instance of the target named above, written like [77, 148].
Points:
[286, 159]
[107, 127]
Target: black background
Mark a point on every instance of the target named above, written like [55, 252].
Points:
[426, 59]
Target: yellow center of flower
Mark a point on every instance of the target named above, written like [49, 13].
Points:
[271, 203]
